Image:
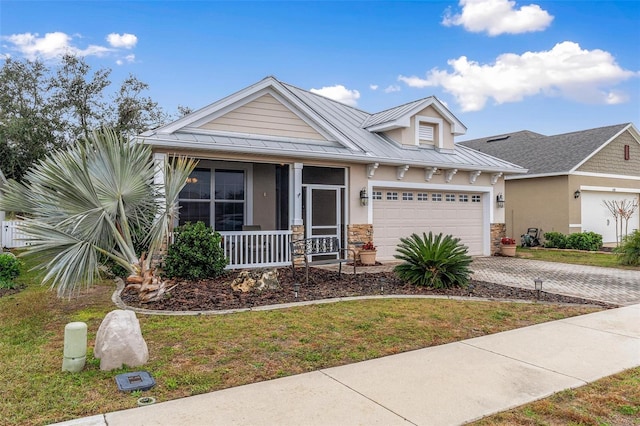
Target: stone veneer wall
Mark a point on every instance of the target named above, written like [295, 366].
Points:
[297, 234]
[498, 230]
[358, 234]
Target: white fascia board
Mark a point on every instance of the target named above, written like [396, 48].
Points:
[600, 148]
[399, 123]
[605, 175]
[520, 176]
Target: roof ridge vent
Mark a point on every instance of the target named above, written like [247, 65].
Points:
[501, 138]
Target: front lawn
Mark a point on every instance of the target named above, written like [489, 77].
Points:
[607, 260]
[195, 354]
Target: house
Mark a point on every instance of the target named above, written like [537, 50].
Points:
[278, 163]
[569, 177]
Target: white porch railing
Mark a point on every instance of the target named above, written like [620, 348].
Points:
[12, 236]
[254, 249]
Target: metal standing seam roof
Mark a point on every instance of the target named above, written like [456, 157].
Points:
[347, 122]
[540, 154]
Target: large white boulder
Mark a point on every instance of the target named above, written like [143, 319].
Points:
[119, 341]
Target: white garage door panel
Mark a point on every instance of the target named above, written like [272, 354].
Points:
[393, 219]
[597, 218]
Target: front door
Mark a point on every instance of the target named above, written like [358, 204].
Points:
[323, 211]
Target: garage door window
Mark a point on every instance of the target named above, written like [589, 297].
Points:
[423, 196]
[451, 198]
[436, 197]
[407, 196]
[475, 199]
[376, 195]
[463, 198]
[392, 196]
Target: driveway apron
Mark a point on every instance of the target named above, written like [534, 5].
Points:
[616, 286]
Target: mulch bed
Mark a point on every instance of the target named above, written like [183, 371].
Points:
[216, 294]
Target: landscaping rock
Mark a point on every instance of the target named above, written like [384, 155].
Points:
[119, 341]
[256, 280]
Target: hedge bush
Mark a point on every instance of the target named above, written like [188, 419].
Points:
[9, 270]
[195, 254]
[589, 241]
[555, 240]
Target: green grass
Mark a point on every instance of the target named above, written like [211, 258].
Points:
[611, 401]
[190, 355]
[606, 260]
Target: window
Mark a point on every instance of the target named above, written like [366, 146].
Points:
[229, 200]
[224, 209]
[451, 198]
[392, 196]
[195, 198]
[423, 196]
[463, 198]
[376, 195]
[476, 199]
[407, 196]
[436, 197]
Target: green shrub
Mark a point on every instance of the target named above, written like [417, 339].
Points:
[584, 241]
[629, 251]
[555, 240]
[589, 241]
[433, 261]
[9, 270]
[195, 254]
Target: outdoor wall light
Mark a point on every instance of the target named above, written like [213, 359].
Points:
[500, 200]
[538, 284]
[576, 194]
[364, 197]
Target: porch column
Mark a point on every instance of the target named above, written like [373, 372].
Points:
[297, 194]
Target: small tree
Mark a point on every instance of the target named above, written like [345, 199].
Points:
[621, 212]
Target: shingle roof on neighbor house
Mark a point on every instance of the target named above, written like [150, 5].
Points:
[547, 155]
[345, 127]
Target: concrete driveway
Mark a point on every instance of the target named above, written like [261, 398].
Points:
[617, 286]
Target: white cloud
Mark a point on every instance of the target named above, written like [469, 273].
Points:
[566, 70]
[125, 40]
[339, 93]
[498, 17]
[392, 88]
[129, 59]
[373, 86]
[53, 45]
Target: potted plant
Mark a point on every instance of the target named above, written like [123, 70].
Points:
[508, 247]
[368, 254]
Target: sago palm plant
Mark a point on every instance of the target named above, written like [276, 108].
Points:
[84, 203]
[435, 261]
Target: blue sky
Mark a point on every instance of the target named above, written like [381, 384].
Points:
[499, 65]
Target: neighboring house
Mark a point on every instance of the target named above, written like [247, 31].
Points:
[569, 178]
[283, 163]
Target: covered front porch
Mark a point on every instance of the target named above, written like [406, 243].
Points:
[260, 207]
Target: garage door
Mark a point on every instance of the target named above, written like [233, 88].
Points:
[400, 213]
[597, 218]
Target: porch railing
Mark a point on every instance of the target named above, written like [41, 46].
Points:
[12, 236]
[253, 249]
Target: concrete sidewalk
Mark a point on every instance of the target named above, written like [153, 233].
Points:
[444, 385]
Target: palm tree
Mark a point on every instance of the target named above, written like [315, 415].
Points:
[88, 202]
